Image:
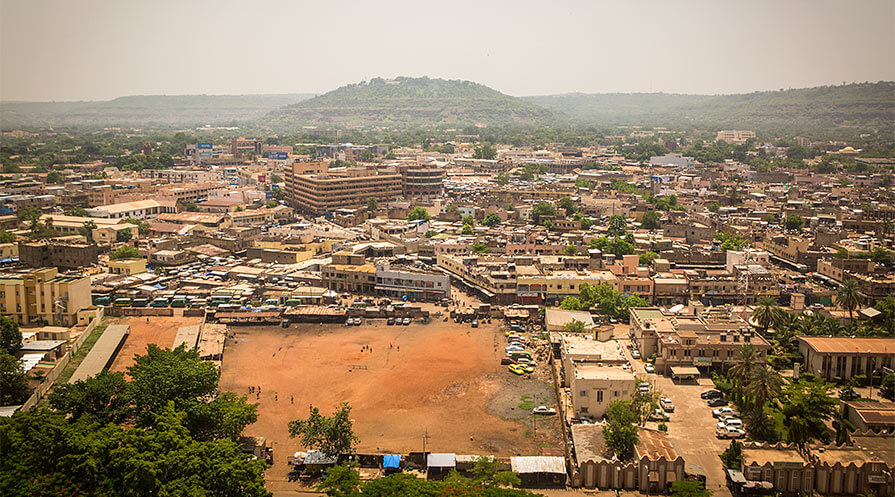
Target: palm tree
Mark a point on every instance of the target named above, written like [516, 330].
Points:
[849, 296]
[764, 385]
[766, 312]
[742, 371]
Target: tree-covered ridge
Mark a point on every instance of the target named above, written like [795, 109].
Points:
[412, 102]
[823, 109]
[146, 110]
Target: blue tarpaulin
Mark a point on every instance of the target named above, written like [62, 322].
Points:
[391, 460]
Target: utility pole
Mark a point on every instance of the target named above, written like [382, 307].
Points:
[425, 438]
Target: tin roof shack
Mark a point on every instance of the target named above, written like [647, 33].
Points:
[103, 352]
[655, 467]
[540, 471]
[257, 447]
[439, 465]
[873, 416]
[557, 319]
[784, 466]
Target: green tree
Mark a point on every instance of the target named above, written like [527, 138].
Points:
[418, 214]
[574, 326]
[7, 237]
[766, 313]
[467, 229]
[887, 388]
[620, 432]
[486, 473]
[643, 403]
[468, 219]
[491, 219]
[686, 488]
[480, 248]
[123, 236]
[617, 225]
[373, 204]
[333, 435]
[647, 258]
[807, 406]
[275, 178]
[54, 178]
[764, 384]
[793, 222]
[105, 397]
[10, 336]
[125, 252]
[13, 383]
[650, 220]
[542, 210]
[191, 207]
[340, 481]
[143, 228]
[502, 179]
[730, 241]
[272, 204]
[86, 230]
[30, 215]
[712, 206]
[572, 304]
[732, 457]
[570, 250]
[747, 363]
[566, 203]
[848, 296]
[76, 212]
[484, 151]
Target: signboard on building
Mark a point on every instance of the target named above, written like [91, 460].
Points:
[204, 154]
[206, 145]
[279, 155]
[261, 178]
[788, 465]
[704, 361]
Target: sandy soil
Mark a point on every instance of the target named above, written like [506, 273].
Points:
[446, 382]
[159, 330]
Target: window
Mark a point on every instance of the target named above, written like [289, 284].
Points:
[584, 393]
[599, 396]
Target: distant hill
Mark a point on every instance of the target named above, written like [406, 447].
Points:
[411, 103]
[870, 106]
[145, 110]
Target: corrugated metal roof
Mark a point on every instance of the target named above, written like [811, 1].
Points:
[441, 460]
[538, 464]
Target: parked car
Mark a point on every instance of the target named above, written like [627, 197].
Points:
[528, 368]
[390, 322]
[546, 411]
[635, 354]
[526, 360]
[717, 402]
[475, 323]
[650, 368]
[734, 422]
[729, 432]
[711, 394]
[723, 411]
[507, 361]
[514, 348]
[667, 404]
[406, 321]
[516, 369]
[659, 415]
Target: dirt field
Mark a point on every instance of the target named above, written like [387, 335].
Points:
[160, 330]
[445, 381]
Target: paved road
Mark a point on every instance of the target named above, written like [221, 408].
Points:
[692, 427]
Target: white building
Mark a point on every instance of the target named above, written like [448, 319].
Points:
[414, 283]
[140, 209]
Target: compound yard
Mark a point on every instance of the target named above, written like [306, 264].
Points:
[441, 382]
[158, 330]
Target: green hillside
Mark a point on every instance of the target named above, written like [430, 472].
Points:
[866, 107]
[145, 110]
[411, 103]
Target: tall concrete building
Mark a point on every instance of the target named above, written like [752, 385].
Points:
[343, 189]
[43, 296]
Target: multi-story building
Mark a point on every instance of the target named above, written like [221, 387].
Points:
[246, 145]
[141, 209]
[845, 357]
[693, 338]
[349, 272]
[593, 373]
[43, 296]
[415, 284]
[350, 188]
[735, 136]
[193, 176]
[422, 181]
[61, 254]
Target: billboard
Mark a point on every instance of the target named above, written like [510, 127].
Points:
[204, 154]
[279, 155]
[205, 145]
[261, 178]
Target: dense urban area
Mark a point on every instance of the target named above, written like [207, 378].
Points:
[370, 305]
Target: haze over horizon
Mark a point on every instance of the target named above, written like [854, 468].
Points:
[117, 49]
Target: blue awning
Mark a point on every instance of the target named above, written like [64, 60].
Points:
[391, 460]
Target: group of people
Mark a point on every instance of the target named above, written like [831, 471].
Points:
[276, 396]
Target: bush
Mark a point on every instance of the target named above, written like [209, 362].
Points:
[663, 427]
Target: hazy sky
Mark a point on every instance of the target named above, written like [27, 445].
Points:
[101, 49]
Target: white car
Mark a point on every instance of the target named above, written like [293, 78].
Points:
[723, 411]
[729, 432]
[667, 404]
[659, 415]
[734, 423]
[514, 348]
[635, 354]
[547, 411]
[650, 368]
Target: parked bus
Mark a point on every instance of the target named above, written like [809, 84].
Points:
[102, 300]
[140, 302]
[198, 304]
[122, 302]
[159, 302]
[178, 302]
